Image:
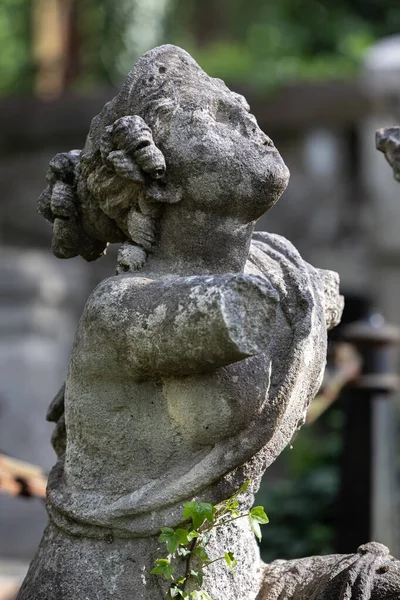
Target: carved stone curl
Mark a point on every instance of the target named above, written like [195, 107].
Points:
[194, 366]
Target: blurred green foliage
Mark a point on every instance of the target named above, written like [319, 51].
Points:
[15, 61]
[104, 25]
[279, 41]
[301, 503]
[262, 43]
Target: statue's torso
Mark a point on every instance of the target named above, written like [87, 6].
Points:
[147, 426]
[140, 445]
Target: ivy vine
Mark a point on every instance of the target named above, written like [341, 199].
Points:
[192, 540]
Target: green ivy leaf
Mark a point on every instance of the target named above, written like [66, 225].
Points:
[191, 535]
[200, 595]
[201, 553]
[230, 560]
[232, 505]
[183, 536]
[258, 514]
[183, 552]
[162, 561]
[163, 567]
[174, 538]
[255, 527]
[199, 512]
[244, 486]
[169, 536]
[189, 508]
[198, 575]
[174, 592]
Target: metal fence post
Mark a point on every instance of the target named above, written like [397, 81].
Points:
[368, 499]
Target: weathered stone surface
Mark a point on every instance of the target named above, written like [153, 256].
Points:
[388, 142]
[371, 574]
[186, 326]
[194, 366]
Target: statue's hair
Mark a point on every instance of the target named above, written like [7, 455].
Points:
[105, 196]
[59, 204]
[113, 190]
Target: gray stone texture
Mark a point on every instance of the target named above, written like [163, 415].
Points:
[193, 367]
[370, 574]
[388, 142]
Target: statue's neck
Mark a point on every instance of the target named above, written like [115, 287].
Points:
[199, 243]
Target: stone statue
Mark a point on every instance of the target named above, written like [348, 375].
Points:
[194, 365]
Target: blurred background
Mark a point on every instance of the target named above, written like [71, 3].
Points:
[320, 77]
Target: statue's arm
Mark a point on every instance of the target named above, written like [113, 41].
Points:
[185, 325]
[370, 573]
[55, 414]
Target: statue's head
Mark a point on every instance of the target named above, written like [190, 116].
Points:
[172, 134]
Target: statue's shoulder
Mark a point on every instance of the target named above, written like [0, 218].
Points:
[114, 294]
[269, 251]
[273, 256]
